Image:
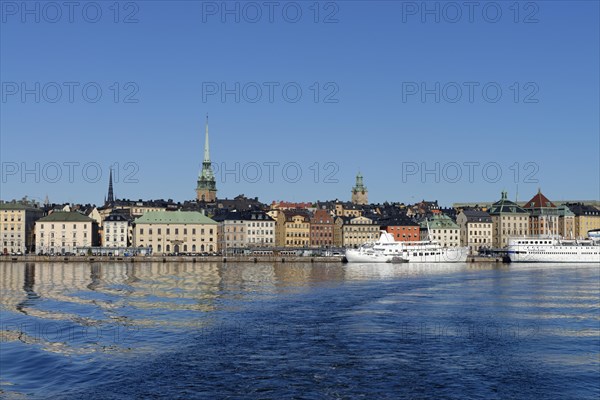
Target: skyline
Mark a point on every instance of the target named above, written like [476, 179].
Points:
[372, 113]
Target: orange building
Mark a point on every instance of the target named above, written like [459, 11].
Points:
[402, 228]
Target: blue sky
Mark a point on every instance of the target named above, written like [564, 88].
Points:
[388, 77]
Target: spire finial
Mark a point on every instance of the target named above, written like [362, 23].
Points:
[206, 146]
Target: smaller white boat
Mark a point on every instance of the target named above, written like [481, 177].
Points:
[382, 250]
[386, 249]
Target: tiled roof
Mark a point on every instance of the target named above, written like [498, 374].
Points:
[538, 201]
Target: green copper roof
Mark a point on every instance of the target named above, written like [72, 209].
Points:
[504, 205]
[17, 206]
[63, 216]
[440, 222]
[174, 217]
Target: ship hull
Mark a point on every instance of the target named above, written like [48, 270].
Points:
[545, 250]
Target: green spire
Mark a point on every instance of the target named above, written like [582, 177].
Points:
[206, 180]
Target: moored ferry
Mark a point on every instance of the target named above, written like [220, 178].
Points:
[386, 249]
[554, 249]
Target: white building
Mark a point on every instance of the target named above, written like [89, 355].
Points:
[62, 232]
[115, 230]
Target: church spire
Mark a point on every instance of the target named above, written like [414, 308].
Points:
[206, 189]
[111, 198]
[206, 148]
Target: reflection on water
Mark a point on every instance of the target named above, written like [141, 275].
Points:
[67, 328]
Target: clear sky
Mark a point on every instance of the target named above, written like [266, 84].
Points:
[466, 92]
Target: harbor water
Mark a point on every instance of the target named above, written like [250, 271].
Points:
[314, 331]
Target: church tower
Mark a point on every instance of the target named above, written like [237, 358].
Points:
[206, 190]
[360, 194]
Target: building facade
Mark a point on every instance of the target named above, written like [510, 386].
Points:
[442, 229]
[508, 220]
[17, 222]
[587, 218]
[322, 229]
[116, 231]
[245, 229]
[359, 230]
[64, 232]
[402, 228]
[176, 232]
[293, 228]
[543, 215]
[476, 229]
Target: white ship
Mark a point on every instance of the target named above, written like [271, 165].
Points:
[554, 249]
[386, 249]
[380, 251]
[432, 252]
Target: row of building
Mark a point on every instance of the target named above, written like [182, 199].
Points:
[241, 223]
[210, 224]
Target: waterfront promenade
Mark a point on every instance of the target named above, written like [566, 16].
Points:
[201, 259]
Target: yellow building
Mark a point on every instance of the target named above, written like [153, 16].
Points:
[176, 232]
[359, 230]
[293, 228]
[17, 227]
[587, 218]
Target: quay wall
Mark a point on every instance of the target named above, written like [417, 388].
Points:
[201, 259]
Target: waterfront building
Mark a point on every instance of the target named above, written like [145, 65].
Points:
[206, 188]
[245, 229]
[401, 227]
[293, 228]
[260, 228]
[360, 194]
[566, 222]
[476, 229]
[359, 230]
[175, 232]
[442, 229]
[508, 219]
[17, 222]
[338, 231]
[63, 231]
[322, 229]
[587, 218]
[116, 231]
[543, 215]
